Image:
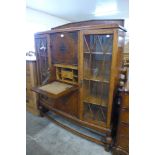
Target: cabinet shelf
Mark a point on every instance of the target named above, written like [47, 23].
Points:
[95, 100]
[97, 53]
[67, 73]
[96, 79]
[101, 123]
[66, 66]
[67, 81]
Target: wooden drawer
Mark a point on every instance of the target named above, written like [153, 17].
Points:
[123, 136]
[123, 142]
[124, 116]
[67, 74]
[125, 101]
[123, 130]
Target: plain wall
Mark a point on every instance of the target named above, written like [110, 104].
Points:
[37, 21]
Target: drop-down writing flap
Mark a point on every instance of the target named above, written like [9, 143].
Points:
[55, 89]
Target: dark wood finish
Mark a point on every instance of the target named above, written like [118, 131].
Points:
[124, 115]
[91, 22]
[61, 56]
[80, 68]
[122, 137]
[74, 119]
[64, 48]
[102, 26]
[125, 102]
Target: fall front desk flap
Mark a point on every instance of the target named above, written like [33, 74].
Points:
[55, 89]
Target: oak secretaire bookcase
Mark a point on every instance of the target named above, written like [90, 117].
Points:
[78, 69]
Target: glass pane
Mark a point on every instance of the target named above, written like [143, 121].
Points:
[98, 43]
[42, 56]
[95, 92]
[95, 114]
[97, 65]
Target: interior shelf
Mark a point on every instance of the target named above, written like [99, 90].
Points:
[67, 81]
[95, 114]
[96, 79]
[98, 53]
[67, 73]
[95, 100]
[86, 118]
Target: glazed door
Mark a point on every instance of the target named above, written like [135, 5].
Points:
[96, 59]
[42, 48]
[42, 45]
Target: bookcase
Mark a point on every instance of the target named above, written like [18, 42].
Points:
[78, 67]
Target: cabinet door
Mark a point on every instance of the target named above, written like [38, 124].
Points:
[42, 48]
[41, 44]
[97, 49]
[64, 47]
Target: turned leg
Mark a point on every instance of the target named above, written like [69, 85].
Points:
[42, 110]
[108, 143]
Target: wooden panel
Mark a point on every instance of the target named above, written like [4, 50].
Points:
[122, 137]
[64, 48]
[123, 130]
[112, 77]
[119, 151]
[76, 120]
[123, 143]
[80, 73]
[91, 22]
[31, 98]
[89, 27]
[66, 66]
[68, 104]
[125, 100]
[55, 89]
[124, 116]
